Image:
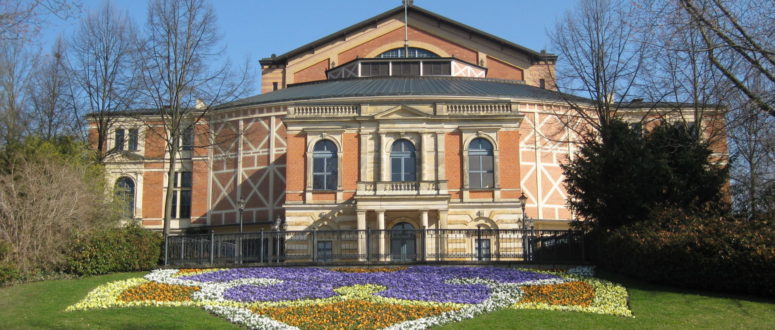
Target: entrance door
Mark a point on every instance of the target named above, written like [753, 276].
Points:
[402, 243]
[482, 248]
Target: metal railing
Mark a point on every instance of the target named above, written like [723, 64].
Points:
[378, 246]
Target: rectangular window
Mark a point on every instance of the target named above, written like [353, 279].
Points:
[119, 140]
[480, 171]
[406, 68]
[325, 250]
[181, 195]
[436, 68]
[324, 172]
[375, 69]
[274, 86]
[187, 141]
[133, 139]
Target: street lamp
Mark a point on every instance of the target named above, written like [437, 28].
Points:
[241, 206]
[523, 203]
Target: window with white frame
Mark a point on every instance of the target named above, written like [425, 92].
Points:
[125, 193]
[480, 164]
[324, 166]
[119, 140]
[403, 161]
[123, 142]
[181, 195]
[187, 139]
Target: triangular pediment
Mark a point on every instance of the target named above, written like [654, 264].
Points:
[402, 112]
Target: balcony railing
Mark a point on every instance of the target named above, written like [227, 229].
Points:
[384, 188]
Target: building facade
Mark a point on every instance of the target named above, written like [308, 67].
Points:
[359, 130]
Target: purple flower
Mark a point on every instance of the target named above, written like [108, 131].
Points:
[425, 283]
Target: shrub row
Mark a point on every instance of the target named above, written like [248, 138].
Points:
[711, 253]
[129, 248]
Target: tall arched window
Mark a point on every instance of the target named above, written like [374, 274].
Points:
[125, 193]
[480, 164]
[403, 161]
[413, 53]
[324, 166]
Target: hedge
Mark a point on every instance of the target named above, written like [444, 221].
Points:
[710, 253]
[129, 248]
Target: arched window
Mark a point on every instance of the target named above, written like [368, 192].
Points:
[403, 161]
[324, 166]
[480, 164]
[125, 193]
[413, 53]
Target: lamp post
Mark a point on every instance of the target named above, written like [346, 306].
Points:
[241, 206]
[523, 203]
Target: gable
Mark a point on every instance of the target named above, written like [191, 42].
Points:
[427, 30]
[402, 112]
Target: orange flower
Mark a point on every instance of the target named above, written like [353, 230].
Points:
[158, 292]
[570, 293]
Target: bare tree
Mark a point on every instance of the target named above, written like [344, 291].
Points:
[15, 70]
[752, 141]
[103, 70]
[49, 96]
[20, 19]
[738, 37]
[179, 75]
[603, 52]
[679, 73]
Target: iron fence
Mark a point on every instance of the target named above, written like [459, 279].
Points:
[377, 246]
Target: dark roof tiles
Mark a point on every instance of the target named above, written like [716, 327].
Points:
[404, 86]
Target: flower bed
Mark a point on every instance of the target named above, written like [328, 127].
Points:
[361, 297]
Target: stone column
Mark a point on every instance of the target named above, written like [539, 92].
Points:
[381, 237]
[362, 250]
[424, 223]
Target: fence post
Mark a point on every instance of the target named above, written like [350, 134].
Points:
[315, 245]
[166, 249]
[182, 248]
[478, 243]
[438, 244]
[368, 244]
[424, 245]
[212, 247]
[261, 248]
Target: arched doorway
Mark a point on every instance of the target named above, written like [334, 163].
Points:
[403, 244]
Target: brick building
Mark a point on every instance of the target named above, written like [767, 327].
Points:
[351, 132]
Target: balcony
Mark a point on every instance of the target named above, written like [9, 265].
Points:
[403, 188]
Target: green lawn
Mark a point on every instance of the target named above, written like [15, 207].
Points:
[42, 304]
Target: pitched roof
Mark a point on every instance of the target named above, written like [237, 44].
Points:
[282, 59]
[404, 86]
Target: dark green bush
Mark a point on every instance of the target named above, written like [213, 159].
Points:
[129, 248]
[710, 253]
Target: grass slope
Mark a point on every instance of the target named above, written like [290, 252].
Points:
[41, 305]
[654, 307]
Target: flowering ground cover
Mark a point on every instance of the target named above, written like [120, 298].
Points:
[361, 297]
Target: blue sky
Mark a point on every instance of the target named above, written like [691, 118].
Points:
[255, 29]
